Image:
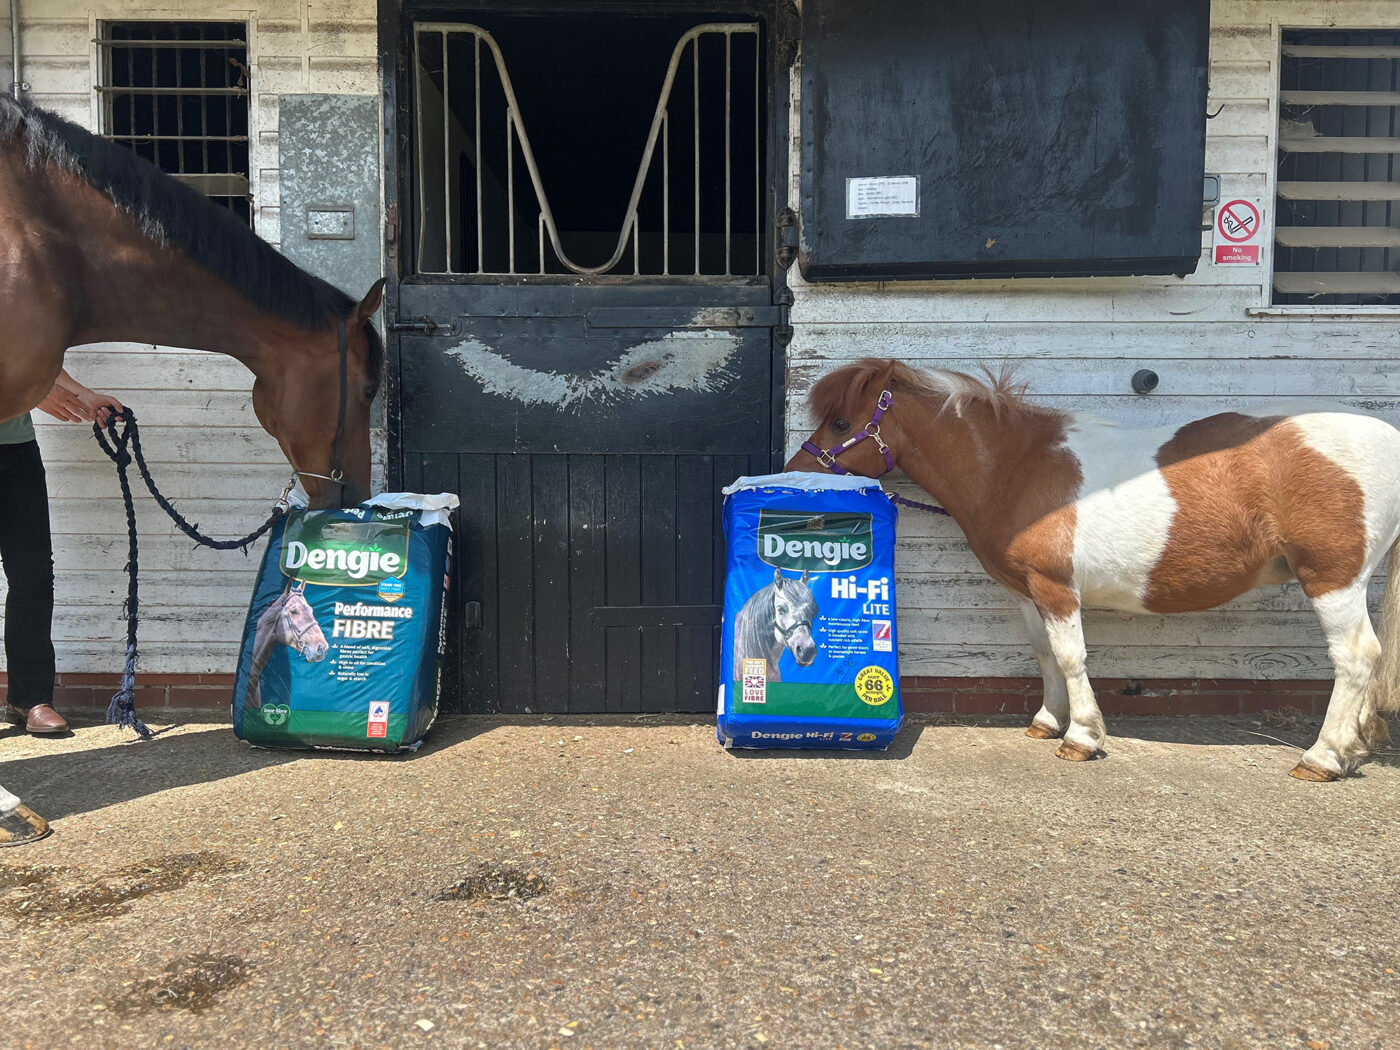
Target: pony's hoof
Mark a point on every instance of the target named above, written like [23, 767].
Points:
[1075, 752]
[1307, 771]
[22, 826]
[1036, 731]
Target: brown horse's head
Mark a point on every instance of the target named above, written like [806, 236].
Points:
[844, 404]
[297, 400]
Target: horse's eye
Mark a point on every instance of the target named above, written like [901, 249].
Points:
[840, 426]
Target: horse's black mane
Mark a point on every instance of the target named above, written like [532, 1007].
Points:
[171, 213]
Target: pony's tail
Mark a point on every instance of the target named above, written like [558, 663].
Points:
[1385, 678]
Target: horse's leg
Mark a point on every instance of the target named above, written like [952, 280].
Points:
[1085, 736]
[1053, 717]
[1354, 649]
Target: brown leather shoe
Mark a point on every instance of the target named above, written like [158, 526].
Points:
[41, 718]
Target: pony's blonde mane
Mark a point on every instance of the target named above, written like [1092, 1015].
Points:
[850, 391]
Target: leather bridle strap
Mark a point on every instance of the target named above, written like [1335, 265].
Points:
[337, 474]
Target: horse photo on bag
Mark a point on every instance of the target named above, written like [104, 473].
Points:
[776, 619]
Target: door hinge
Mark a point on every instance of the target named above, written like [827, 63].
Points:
[471, 616]
[782, 331]
[391, 228]
[785, 241]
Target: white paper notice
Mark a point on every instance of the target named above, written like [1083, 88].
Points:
[890, 195]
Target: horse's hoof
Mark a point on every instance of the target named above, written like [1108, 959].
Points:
[1075, 752]
[22, 826]
[1036, 731]
[1307, 771]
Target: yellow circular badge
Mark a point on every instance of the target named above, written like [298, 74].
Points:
[874, 685]
[865, 738]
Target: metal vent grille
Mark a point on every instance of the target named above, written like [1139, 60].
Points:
[1337, 239]
[176, 93]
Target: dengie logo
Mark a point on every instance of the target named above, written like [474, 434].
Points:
[322, 547]
[804, 542]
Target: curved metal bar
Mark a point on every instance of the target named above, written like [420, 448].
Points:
[517, 122]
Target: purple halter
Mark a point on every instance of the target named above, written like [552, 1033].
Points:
[827, 457]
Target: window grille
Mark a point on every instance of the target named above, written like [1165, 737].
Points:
[1337, 237]
[176, 93]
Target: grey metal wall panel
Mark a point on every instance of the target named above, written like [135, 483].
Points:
[330, 174]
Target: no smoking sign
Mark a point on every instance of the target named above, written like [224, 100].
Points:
[1237, 226]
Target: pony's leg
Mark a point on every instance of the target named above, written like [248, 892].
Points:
[1354, 649]
[1052, 719]
[1085, 736]
[18, 823]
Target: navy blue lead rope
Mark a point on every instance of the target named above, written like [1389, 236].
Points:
[124, 446]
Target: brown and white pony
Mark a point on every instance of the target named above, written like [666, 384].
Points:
[1068, 510]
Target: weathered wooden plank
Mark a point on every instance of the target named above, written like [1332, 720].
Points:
[549, 483]
[515, 639]
[1237, 154]
[623, 483]
[832, 343]
[1076, 300]
[587, 582]
[1249, 78]
[1221, 377]
[140, 367]
[1240, 43]
[660, 551]
[1267, 663]
[931, 590]
[1239, 116]
[1283, 630]
[171, 444]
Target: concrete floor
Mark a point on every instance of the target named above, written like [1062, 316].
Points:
[626, 883]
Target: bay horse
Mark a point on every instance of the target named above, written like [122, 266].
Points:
[776, 617]
[98, 245]
[1067, 510]
[288, 621]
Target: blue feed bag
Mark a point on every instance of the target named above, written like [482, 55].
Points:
[345, 633]
[810, 656]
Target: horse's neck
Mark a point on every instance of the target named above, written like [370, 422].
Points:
[979, 463]
[135, 290]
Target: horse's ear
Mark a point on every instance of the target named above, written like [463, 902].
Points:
[778, 577]
[369, 305]
[806, 575]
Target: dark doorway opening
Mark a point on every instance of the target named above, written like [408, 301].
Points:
[598, 116]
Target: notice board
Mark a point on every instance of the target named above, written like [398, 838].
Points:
[1002, 138]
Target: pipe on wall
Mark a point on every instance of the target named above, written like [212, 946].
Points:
[14, 47]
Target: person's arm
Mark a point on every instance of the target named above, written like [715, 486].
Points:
[71, 401]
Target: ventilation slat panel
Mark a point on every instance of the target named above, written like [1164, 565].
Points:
[1337, 283]
[1339, 191]
[1338, 236]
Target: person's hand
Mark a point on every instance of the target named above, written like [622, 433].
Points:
[69, 400]
[100, 407]
[64, 404]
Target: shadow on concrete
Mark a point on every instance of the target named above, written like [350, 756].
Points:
[62, 783]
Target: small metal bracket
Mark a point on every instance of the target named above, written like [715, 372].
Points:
[423, 326]
[330, 222]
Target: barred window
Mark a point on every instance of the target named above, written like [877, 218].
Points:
[1337, 239]
[176, 93]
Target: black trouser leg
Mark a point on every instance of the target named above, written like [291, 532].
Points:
[26, 549]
